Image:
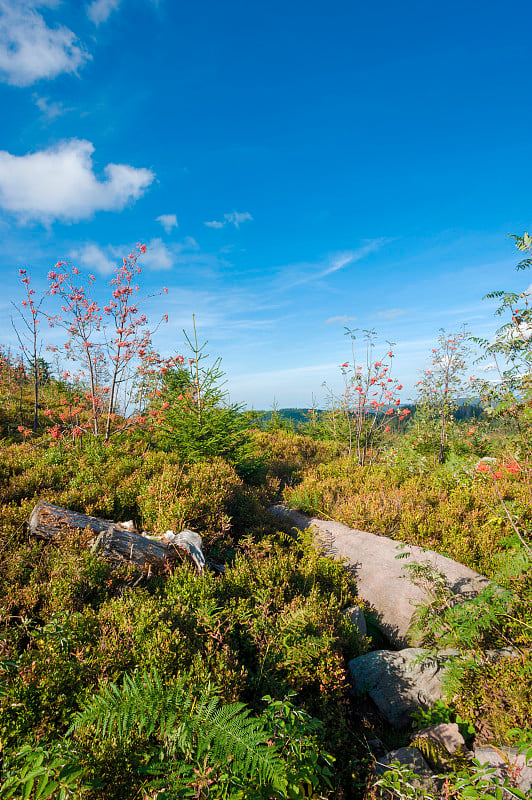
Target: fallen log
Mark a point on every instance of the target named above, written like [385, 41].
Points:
[117, 541]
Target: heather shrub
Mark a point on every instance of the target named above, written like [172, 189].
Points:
[195, 496]
[452, 513]
[288, 454]
[496, 697]
[272, 624]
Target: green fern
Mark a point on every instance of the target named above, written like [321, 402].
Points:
[198, 726]
[437, 754]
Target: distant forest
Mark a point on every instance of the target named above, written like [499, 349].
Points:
[466, 409]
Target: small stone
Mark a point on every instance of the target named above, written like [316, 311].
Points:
[356, 615]
[408, 756]
[447, 734]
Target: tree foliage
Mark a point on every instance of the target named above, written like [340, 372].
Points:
[197, 419]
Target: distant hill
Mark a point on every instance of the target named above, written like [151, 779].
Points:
[297, 415]
[467, 409]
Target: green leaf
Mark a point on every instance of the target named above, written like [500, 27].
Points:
[71, 772]
[41, 785]
[34, 773]
[50, 789]
[9, 791]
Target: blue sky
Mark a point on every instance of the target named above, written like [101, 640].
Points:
[292, 167]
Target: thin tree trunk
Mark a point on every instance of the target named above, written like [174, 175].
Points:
[442, 438]
[35, 384]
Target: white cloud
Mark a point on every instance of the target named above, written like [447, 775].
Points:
[157, 256]
[50, 110]
[95, 259]
[30, 50]
[100, 10]
[340, 320]
[168, 221]
[392, 313]
[106, 259]
[235, 218]
[59, 183]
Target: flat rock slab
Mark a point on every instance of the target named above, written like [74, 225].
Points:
[383, 580]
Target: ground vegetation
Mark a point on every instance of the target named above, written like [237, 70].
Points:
[234, 684]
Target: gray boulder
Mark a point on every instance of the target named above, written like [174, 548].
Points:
[399, 682]
[383, 580]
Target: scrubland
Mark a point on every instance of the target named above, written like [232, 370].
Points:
[234, 684]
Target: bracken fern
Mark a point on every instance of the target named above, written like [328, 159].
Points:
[196, 726]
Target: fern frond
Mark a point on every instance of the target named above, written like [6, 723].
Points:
[141, 704]
[228, 733]
[198, 725]
[437, 754]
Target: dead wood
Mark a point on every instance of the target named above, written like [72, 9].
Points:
[115, 542]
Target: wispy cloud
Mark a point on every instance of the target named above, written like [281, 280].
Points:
[391, 313]
[306, 272]
[235, 218]
[311, 369]
[260, 388]
[341, 261]
[100, 10]
[30, 50]
[168, 221]
[49, 109]
[59, 183]
[343, 319]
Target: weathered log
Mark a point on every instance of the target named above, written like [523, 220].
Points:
[117, 542]
[48, 521]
